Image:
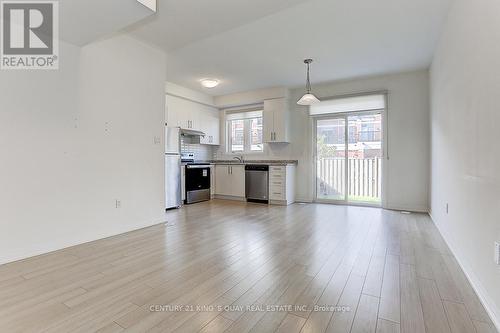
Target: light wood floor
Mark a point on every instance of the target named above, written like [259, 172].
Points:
[391, 272]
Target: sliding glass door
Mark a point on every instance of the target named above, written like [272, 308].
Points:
[349, 158]
[331, 166]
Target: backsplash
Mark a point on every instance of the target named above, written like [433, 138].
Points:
[201, 152]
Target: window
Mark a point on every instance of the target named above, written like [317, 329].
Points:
[244, 131]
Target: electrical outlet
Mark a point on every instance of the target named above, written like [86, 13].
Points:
[497, 253]
[118, 204]
[157, 140]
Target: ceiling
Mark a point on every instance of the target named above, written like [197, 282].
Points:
[251, 44]
[82, 22]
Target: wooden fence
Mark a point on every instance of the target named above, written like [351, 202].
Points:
[364, 182]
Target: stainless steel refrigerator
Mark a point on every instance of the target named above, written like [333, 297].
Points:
[173, 167]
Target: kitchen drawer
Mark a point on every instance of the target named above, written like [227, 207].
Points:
[277, 193]
[277, 176]
[277, 168]
[279, 182]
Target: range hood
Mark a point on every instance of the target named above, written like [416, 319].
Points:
[190, 132]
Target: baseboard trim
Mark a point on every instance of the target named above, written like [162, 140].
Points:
[416, 209]
[487, 302]
[300, 200]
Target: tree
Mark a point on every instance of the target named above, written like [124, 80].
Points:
[325, 150]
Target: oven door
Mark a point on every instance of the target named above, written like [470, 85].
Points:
[197, 183]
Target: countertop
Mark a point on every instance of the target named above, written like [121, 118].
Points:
[245, 162]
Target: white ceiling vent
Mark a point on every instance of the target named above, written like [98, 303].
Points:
[151, 4]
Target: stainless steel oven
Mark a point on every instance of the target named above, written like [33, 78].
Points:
[197, 181]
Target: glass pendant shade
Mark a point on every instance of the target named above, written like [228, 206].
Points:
[308, 99]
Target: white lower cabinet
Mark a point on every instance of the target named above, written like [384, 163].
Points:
[212, 180]
[230, 181]
[183, 183]
[282, 184]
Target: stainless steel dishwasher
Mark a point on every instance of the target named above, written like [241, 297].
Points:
[257, 183]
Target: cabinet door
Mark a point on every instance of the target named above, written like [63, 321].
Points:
[178, 112]
[183, 183]
[238, 181]
[196, 118]
[222, 180]
[280, 120]
[210, 126]
[268, 120]
[212, 180]
[172, 115]
[215, 127]
[203, 119]
[275, 120]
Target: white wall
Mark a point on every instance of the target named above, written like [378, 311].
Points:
[408, 167]
[189, 94]
[250, 97]
[465, 152]
[407, 170]
[76, 139]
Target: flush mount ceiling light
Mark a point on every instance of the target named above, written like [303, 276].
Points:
[308, 98]
[209, 83]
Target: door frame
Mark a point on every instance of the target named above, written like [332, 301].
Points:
[345, 116]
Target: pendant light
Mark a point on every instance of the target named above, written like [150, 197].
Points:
[308, 98]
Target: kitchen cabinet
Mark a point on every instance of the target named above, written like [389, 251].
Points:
[282, 184]
[210, 125]
[183, 183]
[230, 180]
[212, 180]
[180, 112]
[187, 114]
[276, 121]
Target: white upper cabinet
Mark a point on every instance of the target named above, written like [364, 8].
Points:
[276, 121]
[210, 125]
[196, 116]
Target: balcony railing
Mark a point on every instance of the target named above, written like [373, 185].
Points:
[363, 184]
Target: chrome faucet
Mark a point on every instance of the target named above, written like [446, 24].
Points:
[240, 159]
